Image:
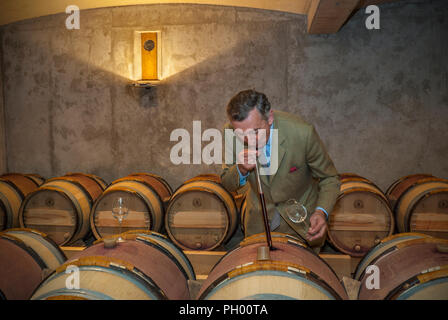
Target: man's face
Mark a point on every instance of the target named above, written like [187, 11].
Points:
[251, 129]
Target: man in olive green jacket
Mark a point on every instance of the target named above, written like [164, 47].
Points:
[304, 172]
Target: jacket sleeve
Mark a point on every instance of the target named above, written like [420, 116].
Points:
[229, 176]
[323, 169]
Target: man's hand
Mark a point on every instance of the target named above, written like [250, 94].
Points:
[246, 160]
[318, 225]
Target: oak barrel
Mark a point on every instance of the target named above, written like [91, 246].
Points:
[170, 249]
[346, 175]
[61, 207]
[14, 187]
[135, 268]
[205, 177]
[239, 195]
[201, 215]
[405, 265]
[24, 182]
[422, 206]
[45, 247]
[160, 184]
[243, 211]
[240, 199]
[146, 194]
[431, 285]
[399, 186]
[100, 181]
[382, 248]
[360, 218]
[36, 177]
[26, 257]
[293, 271]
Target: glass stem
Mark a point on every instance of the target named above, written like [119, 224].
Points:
[306, 224]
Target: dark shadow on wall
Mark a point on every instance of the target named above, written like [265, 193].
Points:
[69, 105]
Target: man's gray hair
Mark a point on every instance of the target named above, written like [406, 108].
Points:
[244, 102]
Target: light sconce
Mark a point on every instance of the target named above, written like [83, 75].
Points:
[147, 58]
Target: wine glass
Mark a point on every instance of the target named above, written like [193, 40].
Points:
[120, 211]
[296, 212]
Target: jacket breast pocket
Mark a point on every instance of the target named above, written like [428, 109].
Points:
[292, 184]
[297, 174]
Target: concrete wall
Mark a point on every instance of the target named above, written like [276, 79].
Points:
[3, 167]
[377, 98]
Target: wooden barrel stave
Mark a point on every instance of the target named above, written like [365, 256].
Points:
[37, 178]
[23, 183]
[349, 175]
[154, 182]
[11, 201]
[243, 212]
[96, 178]
[91, 187]
[427, 286]
[157, 177]
[172, 248]
[3, 216]
[359, 181]
[238, 195]
[205, 177]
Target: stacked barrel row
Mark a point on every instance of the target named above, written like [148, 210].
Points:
[202, 215]
[199, 215]
[403, 266]
[76, 206]
[363, 215]
[143, 265]
[135, 265]
[147, 265]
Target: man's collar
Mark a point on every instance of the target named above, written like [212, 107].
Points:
[268, 144]
[281, 137]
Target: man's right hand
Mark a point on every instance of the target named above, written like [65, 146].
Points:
[246, 160]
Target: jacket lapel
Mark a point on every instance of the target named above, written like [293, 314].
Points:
[281, 150]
